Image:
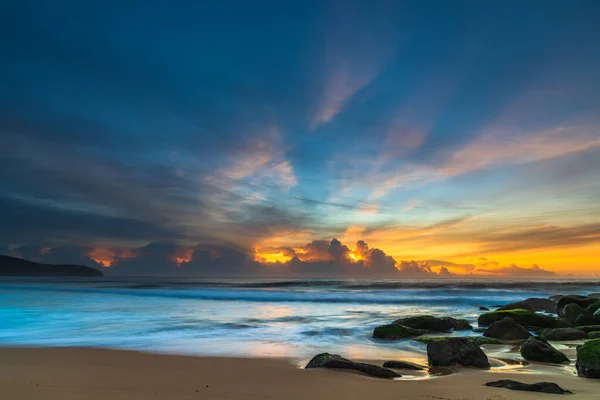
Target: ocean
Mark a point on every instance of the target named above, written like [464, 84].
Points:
[245, 317]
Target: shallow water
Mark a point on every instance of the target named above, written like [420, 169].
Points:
[228, 317]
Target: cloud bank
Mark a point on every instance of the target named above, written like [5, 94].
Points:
[318, 258]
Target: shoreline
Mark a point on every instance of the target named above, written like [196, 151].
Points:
[92, 373]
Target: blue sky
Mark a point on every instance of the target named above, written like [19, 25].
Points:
[432, 130]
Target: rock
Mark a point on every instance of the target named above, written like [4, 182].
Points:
[452, 351]
[396, 331]
[478, 340]
[593, 307]
[506, 329]
[434, 324]
[403, 365]
[484, 308]
[523, 318]
[588, 359]
[597, 316]
[589, 328]
[532, 304]
[326, 360]
[594, 295]
[594, 335]
[479, 329]
[516, 306]
[557, 297]
[534, 349]
[582, 301]
[561, 334]
[585, 319]
[571, 311]
[541, 387]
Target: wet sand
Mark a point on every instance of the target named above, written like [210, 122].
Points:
[84, 373]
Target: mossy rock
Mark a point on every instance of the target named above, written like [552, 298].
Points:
[434, 324]
[594, 307]
[573, 311]
[588, 359]
[522, 317]
[562, 334]
[594, 335]
[582, 301]
[395, 331]
[536, 349]
[589, 328]
[478, 340]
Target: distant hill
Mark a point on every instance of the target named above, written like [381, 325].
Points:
[12, 266]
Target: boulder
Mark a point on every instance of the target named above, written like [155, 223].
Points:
[523, 318]
[452, 351]
[593, 307]
[533, 304]
[478, 340]
[434, 324]
[588, 359]
[557, 297]
[596, 316]
[594, 295]
[585, 319]
[516, 306]
[534, 349]
[403, 365]
[483, 308]
[541, 387]
[326, 360]
[572, 311]
[582, 301]
[562, 334]
[506, 329]
[396, 331]
[594, 335]
[589, 328]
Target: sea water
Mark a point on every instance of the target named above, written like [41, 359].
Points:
[245, 317]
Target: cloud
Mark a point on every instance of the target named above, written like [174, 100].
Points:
[514, 271]
[504, 148]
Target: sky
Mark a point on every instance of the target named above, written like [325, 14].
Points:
[308, 138]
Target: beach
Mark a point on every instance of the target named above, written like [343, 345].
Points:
[84, 373]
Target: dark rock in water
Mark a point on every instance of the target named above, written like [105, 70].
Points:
[541, 387]
[594, 295]
[582, 301]
[572, 311]
[588, 359]
[452, 351]
[12, 266]
[506, 329]
[326, 360]
[477, 340]
[534, 349]
[479, 329]
[434, 324]
[396, 331]
[532, 304]
[523, 318]
[561, 334]
[594, 335]
[403, 365]
[597, 316]
[484, 308]
[589, 328]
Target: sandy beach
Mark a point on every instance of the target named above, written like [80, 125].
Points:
[85, 373]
